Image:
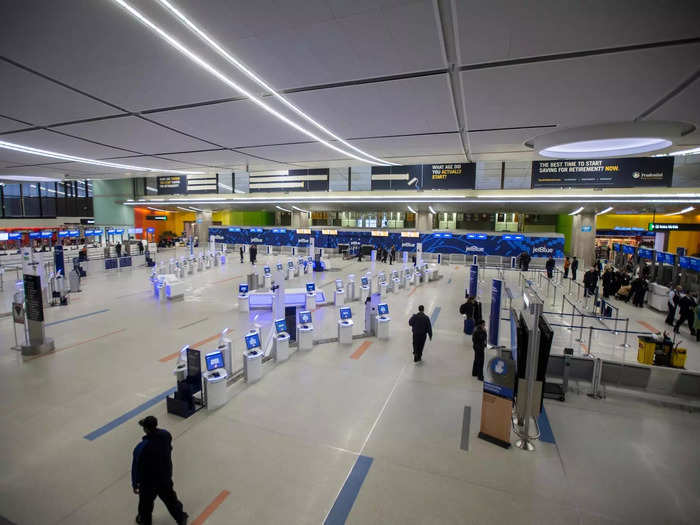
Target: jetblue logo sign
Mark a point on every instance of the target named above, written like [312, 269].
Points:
[542, 249]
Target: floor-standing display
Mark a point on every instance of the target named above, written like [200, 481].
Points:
[280, 349]
[37, 342]
[243, 298]
[305, 331]
[215, 377]
[345, 325]
[383, 321]
[252, 357]
[339, 295]
[310, 296]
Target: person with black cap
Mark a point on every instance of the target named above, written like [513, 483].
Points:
[152, 473]
[479, 344]
[420, 323]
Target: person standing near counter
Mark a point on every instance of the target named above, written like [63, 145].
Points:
[479, 338]
[574, 268]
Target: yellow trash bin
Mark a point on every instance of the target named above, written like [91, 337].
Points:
[678, 356]
[645, 352]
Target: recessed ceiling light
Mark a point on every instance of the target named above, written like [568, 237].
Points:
[576, 211]
[613, 139]
[72, 158]
[252, 75]
[237, 87]
[29, 178]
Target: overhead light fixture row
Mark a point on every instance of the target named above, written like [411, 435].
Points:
[606, 210]
[685, 210]
[283, 209]
[577, 211]
[432, 210]
[232, 84]
[82, 160]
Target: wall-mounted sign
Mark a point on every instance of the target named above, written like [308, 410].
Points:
[34, 235]
[73, 233]
[303, 231]
[135, 230]
[611, 173]
[150, 230]
[329, 232]
[4, 236]
[156, 217]
[289, 180]
[87, 221]
[413, 235]
[424, 177]
[279, 230]
[586, 228]
[380, 233]
[673, 226]
[46, 234]
[111, 232]
[234, 229]
[119, 231]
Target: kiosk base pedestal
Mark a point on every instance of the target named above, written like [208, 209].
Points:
[305, 338]
[311, 301]
[37, 349]
[345, 332]
[281, 348]
[339, 298]
[252, 366]
[383, 324]
[243, 303]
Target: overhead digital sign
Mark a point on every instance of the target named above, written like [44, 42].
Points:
[673, 226]
[424, 177]
[610, 173]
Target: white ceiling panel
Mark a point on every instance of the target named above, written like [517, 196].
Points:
[418, 105]
[30, 98]
[48, 140]
[7, 124]
[213, 158]
[505, 141]
[684, 107]
[577, 91]
[508, 29]
[231, 124]
[154, 162]
[135, 134]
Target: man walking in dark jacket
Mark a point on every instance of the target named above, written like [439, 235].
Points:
[420, 323]
[152, 473]
[590, 281]
[549, 266]
[479, 343]
[574, 267]
[686, 304]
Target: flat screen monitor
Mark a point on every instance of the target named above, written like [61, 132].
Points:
[310, 287]
[252, 341]
[407, 272]
[214, 360]
[310, 259]
[304, 317]
[279, 266]
[364, 281]
[339, 284]
[345, 313]
[290, 264]
[242, 288]
[266, 269]
[383, 309]
[280, 325]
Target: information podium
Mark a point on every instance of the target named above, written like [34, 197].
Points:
[345, 325]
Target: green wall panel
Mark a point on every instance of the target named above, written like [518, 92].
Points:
[564, 225]
[107, 198]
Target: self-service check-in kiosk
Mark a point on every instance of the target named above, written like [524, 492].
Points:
[298, 266]
[383, 321]
[280, 349]
[280, 268]
[382, 285]
[207, 261]
[215, 380]
[364, 289]
[290, 269]
[395, 282]
[267, 274]
[310, 296]
[339, 295]
[190, 268]
[308, 265]
[252, 357]
[243, 298]
[350, 288]
[345, 325]
[200, 263]
[305, 331]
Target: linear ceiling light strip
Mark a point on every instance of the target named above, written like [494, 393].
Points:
[252, 75]
[226, 80]
[72, 158]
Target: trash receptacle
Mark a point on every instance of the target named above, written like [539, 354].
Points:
[645, 352]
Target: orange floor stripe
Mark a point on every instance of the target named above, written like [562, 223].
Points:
[412, 292]
[30, 358]
[172, 356]
[584, 346]
[361, 350]
[649, 327]
[211, 507]
[226, 280]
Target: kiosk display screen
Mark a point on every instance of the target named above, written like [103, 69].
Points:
[339, 284]
[310, 259]
[364, 281]
[290, 264]
[280, 325]
[279, 266]
[266, 270]
[383, 309]
[252, 341]
[345, 313]
[304, 317]
[242, 288]
[214, 360]
[310, 287]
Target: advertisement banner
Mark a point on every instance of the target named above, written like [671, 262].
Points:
[473, 279]
[610, 173]
[495, 314]
[425, 177]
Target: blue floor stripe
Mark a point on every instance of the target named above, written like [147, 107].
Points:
[77, 317]
[435, 314]
[92, 436]
[546, 433]
[346, 498]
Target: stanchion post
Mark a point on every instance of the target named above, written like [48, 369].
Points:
[617, 317]
[580, 334]
[627, 330]
[563, 302]
[590, 339]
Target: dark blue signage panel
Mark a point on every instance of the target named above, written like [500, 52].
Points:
[644, 253]
[629, 250]
[495, 314]
[473, 279]
[611, 173]
[424, 176]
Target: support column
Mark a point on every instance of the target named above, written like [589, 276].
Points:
[424, 221]
[583, 239]
[300, 219]
[204, 222]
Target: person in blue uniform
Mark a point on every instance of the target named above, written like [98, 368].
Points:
[152, 473]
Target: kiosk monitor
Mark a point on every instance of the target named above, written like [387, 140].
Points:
[345, 313]
[304, 317]
[338, 284]
[280, 326]
[383, 309]
[364, 281]
[310, 287]
[290, 264]
[252, 341]
[266, 270]
[279, 266]
[214, 360]
[310, 259]
[242, 289]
